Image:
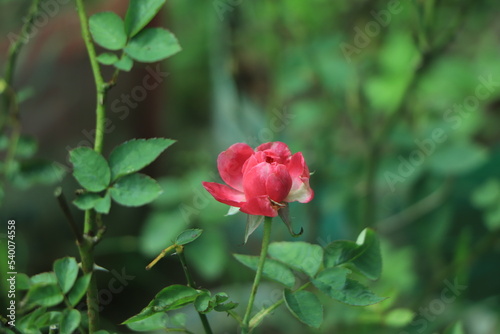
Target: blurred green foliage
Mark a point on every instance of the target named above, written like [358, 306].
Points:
[402, 136]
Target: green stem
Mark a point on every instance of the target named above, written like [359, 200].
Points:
[86, 249]
[82, 246]
[235, 316]
[264, 312]
[13, 141]
[260, 268]
[14, 50]
[99, 81]
[203, 317]
[10, 103]
[92, 225]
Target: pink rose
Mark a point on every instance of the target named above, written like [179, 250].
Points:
[260, 182]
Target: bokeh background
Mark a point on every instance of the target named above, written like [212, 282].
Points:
[395, 105]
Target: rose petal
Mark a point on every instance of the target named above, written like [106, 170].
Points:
[297, 166]
[225, 194]
[255, 159]
[230, 164]
[299, 172]
[303, 193]
[278, 183]
[259, 206]
[254, 180]
[276, 152]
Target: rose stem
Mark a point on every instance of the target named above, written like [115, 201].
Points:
[92, 224]
[260, 268]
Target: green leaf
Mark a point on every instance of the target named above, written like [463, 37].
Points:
[107, 58]
[24, 94]
[37, 171]
[492, 218]
[399, 317]
[225, 307]
[298, 255]
[331, 279]
[203, 303]
[152, 44]
[449, 159]
[66, 270]
[220, 297]
[86, 201]
[135, 190]
[339, 252]
[23, 282]
[304, 306]
[92, 200]
[108, 30]
[44, 278]
[385, 90]
[173, 297]
[27, 324]
[272, 269]
[4, 140]
[70, 321]
[188, 236]
[79, 289]
[45, 294]
[170, 298]
[369, 260]
[156, 322]
[26, 147]
[178, 320]
[11, 171]
[135, 154]
[364, 254]
[103, 204]
[90, 169]
[457, 328]
[125, 63]
[352, 293]
[487, 194]
[140, 13]
[48, 319]
[144, 314]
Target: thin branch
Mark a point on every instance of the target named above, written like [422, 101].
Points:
[203, 317]
[67, 213]
[415, 211]
[14, 50]
[160, 256]
[10, 101]
[257, 319]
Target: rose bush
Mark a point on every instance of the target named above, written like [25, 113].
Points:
[261, 181]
